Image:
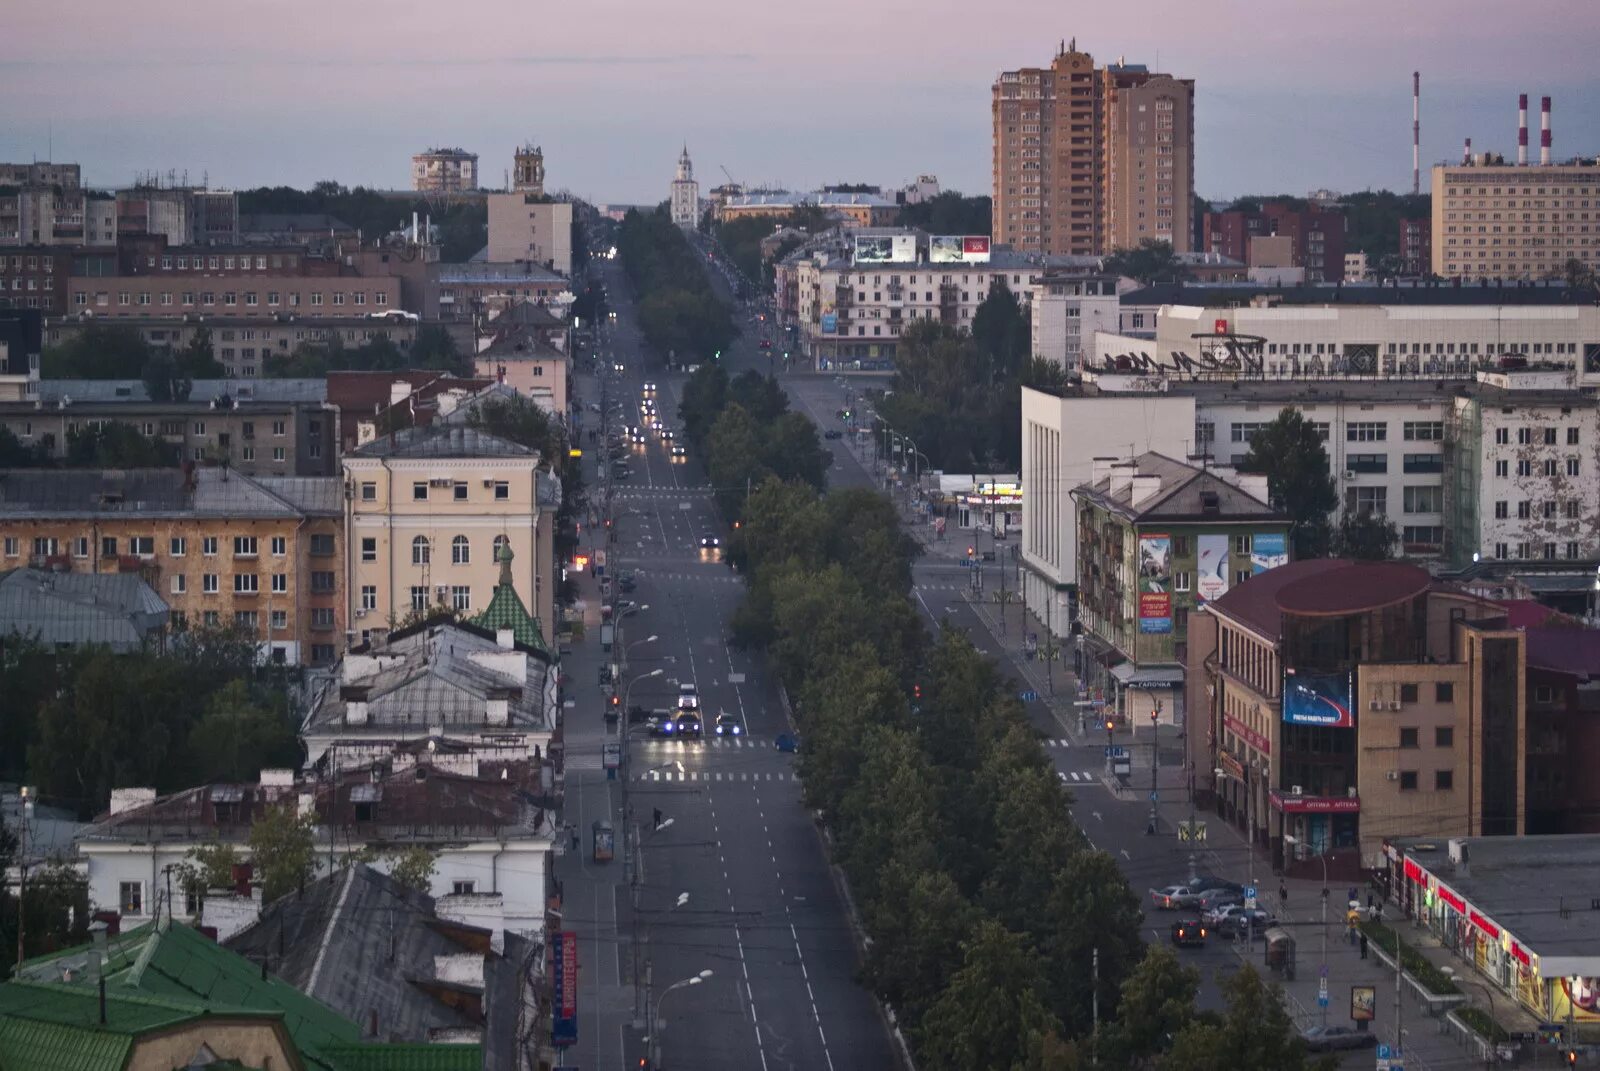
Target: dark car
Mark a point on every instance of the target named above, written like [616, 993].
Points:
[833, 433]
[1207, 881]
[626, 582]
[688, 724]
[728, 725]
[1337, 1038]
[662, 725]
[710, 542]
[1187, 933]
[787, 742]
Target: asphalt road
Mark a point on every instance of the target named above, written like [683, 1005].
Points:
[735, 880]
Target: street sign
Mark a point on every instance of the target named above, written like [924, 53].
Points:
[1383, 1052]
[1028, 696]
[564, 1024]
[1250, 897]
[612, 754]
[1192, 831]
[1322, 989]
[1116, 751]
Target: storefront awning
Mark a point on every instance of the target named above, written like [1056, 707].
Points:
[1131, 675]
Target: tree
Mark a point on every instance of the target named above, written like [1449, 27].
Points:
[435, 347]
[236, 738]
[949, 212]
[1000, 329]
[13, 454]
[1253, 1031]
[1366, 537]
[284, 848]
[1289, 452]
[1045, 375]
[206, 867]
[794, 451]
[990, 1011]
[1158, 1001]
[1152, 261]
[197, 359]
[414, 868]
[117, 445]
[29, 677]
[97, 351]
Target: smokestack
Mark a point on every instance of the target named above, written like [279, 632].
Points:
[1416, 132]
[1522, 130]
[1466, 153]
[1544, 131]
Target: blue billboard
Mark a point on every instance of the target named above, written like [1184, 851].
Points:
[1311, 699]
[1268, 550]
[830, 323]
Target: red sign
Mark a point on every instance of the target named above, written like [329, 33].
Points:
[1231, 764]
[1249, 735]
[1520, 954]
[1485, 925]
[1219, 327]
[569, 974]
[1315, 804]
[1414, 873]
[975, 243]
[1452, 899]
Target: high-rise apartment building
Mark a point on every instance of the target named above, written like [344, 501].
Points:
[1090, 159]
[1498, 221]
[444, 171]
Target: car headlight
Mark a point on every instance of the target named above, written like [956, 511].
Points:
[736, 730]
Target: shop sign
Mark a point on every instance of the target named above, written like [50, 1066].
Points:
[1249, 735]
[1315, 804]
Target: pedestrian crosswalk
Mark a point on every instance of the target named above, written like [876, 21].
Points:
[713, 776]
[713, 742]
[660, 492]
[582, 760]
[1075, 777]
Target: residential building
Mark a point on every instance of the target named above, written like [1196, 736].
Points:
[1067, 311]
[850, 209]
[531, 228]
[261, 427]
[1497, 221]
[57, 216]
[1563, 696]
[1356, 268]
[262, 554]
[1158, 538]
[429, 510]
[21, 348]
[1087, 159]
[444, 171]
[183, 215]
[531, 367]
[62, 610]
[1416, 246]
[1342, 703]
[483, 691]
[367, 401]
[492, 835]
[1503, 906]
[528, 170]
[35, 277]
[310, 297]
[685, 197]
[470, 292]
[1314, 239]
[41, 173]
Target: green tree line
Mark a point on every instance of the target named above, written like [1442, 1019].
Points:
[463, 226]
[680, 315]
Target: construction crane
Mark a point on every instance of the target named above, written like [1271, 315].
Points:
[731, 180]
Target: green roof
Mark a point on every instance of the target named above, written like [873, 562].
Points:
[505, 609]
[405, 1057]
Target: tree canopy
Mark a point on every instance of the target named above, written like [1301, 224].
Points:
[1152, 261]
[950, 213]
[679, 313]
[463, 226]
[1289, 451]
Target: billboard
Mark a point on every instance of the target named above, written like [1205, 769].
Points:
[958, 249]
[1268, 550]
[564, 965]
[1363, 1003]
[1155, 583]
[1312, 699]
[1577, 997]
[886, 249]
[1211, 567]
[830, 323]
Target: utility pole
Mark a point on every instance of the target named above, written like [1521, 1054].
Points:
[1155, 717]
[24, 811]
[1094, 1038]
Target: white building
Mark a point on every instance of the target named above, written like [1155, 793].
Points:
[528, 227]
[1067, 312]
[685, 193]
[1356, 267]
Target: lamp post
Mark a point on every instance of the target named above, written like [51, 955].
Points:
[1291, 839]
[683, 898]
[627, 652]
[652, 1040]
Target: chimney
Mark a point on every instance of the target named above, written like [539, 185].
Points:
[1466, 153]
[1101, 469]
[1144, 485]
[1122, 474]
[1522, 130]
[505, 639]
[355, 712]
[1544, 131]
[241, 874]
[277, 778]
[498, 711]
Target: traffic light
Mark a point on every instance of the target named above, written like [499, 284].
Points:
[1572, 1058]
[1111, 726]
[916, 692]
[972, 551]
[616, 700]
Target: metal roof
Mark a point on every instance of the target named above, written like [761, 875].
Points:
[443, 441]
[1218, 295]
[1179, 494]
[240, 391]
[115, 610]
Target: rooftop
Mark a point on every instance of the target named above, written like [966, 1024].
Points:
[242, 392]
[1184, 492]
[443, 441]
[214, 492]
[521, 271]
[115, 610]
[506, 611]
[1227, 295]
[1254, 603]
[292, 223]
[1574, 652]
[1352, 588]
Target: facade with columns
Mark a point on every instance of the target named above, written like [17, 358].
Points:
[685, 193]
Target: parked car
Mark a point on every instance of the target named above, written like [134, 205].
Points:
[1187, 933]
[1215, 899]
[833, 433]
[1174, 897]
[626, 582]
[1337, 1038]
[1206, 882]
[1253, 921]
[787, 742]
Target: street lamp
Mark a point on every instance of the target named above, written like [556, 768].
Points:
[1322, 984]
[652, 1039]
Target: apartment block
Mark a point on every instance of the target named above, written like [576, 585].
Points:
[1315, 238]
[530, 227]
[1498, 221]
[35, 277]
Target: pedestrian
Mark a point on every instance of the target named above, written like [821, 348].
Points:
[657, 816]
[1283, 894]
[1363, 946]
[575, 840]
[1372, 901]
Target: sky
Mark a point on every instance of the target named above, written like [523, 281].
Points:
[779, 93]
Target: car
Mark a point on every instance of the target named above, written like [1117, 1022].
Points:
[617, 367]
[688, 724]
[666, 432]
[728, 725]
[710, 542]
[626, 582]
[1215, 899]
[1174, 897]
[833, 433]
[1253, 921]
[620, 472]
[1188, 932]
[649, 390]
[679, 451]
[1206, 882]
[1337, 1038]
[788, 742]
[636, 435]
[662, 725]
[766, 343]
[688, 696]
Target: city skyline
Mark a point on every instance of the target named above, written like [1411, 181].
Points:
[222, 101]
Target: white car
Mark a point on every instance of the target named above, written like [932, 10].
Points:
[688, 697]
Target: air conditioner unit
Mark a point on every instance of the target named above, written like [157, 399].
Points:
[1393, 775]
[488, 483]
[361, 613]
[1349, 474]
[1375, 705]
[1395, 705]
[1297, 790]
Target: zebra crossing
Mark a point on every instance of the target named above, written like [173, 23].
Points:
[582, 760]
[714, 742]
[710, 775]
[660, 492]
[1074, 777]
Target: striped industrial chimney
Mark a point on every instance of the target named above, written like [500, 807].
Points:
[1544, 131]
[1522, 130]
[1466, 153]
[1416, 132]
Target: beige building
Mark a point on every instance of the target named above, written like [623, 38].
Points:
[426, 511]
[1090, 159]
[1498, 221]
[529, 227]
[444, 171]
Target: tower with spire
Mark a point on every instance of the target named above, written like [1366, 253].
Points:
[685, 193]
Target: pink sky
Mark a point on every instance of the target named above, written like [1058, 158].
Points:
[294, 91]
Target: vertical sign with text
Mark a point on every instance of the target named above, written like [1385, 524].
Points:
[564, 966]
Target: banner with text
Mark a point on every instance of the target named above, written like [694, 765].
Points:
[1317, 699]
[1155, 583]
[1211, 570]
[1268, 550]
[564, 965]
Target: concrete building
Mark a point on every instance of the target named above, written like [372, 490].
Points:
[41, 173]
[685, 196]
[1495, 221]
[1314, 239]
[262, 427]
[430, 509]
[850, 209]
[57, 216]
[1067, 311]
[183, 215]
[444, 171]
[1356, 268]
[35, 277]
[367, 401]
[307, 296]
[472, 292]
[1339, 703]
[311, 230]
[262, 554]
[528, 227]
[1416, 247]
[1091, 159]
[21, 349]
[1158, 538]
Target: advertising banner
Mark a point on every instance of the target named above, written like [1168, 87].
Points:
[1579, 997]
[1155, 583]
[1211, 570]
[1268, 550]
[975, 249]
[1317, 700]
[874, 248]
[958, 249]
[830, 323]
[1363, 1003]
[903, 248]
[564, 964]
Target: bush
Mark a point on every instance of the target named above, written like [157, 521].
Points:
[1415, 963]
[1482, 1022]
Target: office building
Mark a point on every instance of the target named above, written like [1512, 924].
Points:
[1312, 240]
[1498, 221]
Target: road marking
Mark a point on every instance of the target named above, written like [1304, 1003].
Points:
[1126, 856]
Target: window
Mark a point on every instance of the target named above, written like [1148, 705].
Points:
[280, 546]
[1572, 436]
[421, 551]
[280, 619]
[210, 619]
[1366, 432]
[246, 584]
[502, 490]
[419, 598]
[1444, 780]
[460, 492]
[1444, 736]
[1419, 463]
[369, 596]
[278, 453]
[1525, 468]
[322, 583]
[108, 546]
[1444, 692]
[1408, 693]
[1241, 544]
[247, 619]
[130, 898]
[501, 542]
[1424, 430]
[1367, 500]
[463, 888]
[419, 491]
[1180, 581]
[1524, 510]
[1408, 780]
[322, 617]
[13, 546]
[322, 545]
[1368, 462]
[280, 583]
[1502, 436]
[1549, 436]
[279, 427]
[244, 546]
[80, 547]
[369, 492]
[1424, 499]
[1524, 436]
[1501, 509]
[208, 546]
[460, 551]
[1572, 466]
[143, 546]
[208, 584]
[461, 597]
[180, 584]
